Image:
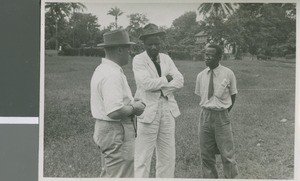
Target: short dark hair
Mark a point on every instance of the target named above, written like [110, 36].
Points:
[218, 50]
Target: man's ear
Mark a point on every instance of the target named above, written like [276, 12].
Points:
[120, 50]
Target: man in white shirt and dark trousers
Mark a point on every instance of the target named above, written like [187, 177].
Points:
[112, 105]
[156, 77]
[216, 86]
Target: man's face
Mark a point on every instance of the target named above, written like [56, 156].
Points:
[124, 54]
[211, 60]
[152, 45]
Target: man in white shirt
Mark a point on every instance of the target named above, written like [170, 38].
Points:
[156, 77]
[216, 86]
[113, 106]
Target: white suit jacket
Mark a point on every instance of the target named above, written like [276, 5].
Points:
[149, 84]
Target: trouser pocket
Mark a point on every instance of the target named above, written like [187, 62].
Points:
[221, 118]
[108, 136]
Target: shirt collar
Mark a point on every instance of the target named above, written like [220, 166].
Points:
[111, 63]
[216, 70]
[157, 58]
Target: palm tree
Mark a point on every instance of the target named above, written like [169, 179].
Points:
[77, 6]
[290, 9]
[216, 9]
[62, 10]
[115, 12]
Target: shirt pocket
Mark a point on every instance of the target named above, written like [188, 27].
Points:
[222, 90]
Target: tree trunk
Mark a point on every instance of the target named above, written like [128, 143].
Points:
[56, 38]
[237, 53]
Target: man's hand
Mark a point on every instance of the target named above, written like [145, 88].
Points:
[228, 109]
[138, 99]
[138, 107]
[169, 78]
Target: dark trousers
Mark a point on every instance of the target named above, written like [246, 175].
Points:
[215, 135]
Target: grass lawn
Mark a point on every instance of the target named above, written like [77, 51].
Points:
[264, 144]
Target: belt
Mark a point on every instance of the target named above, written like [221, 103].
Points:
[215, 110]
[131, 119]
[126, 120]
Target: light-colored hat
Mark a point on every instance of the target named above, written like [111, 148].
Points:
[151, 29]
[115, 38]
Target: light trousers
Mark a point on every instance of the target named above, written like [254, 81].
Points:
[216, 137]
[158, 135]
[116, 142]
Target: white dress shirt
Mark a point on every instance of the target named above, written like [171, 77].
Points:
[109, 90]
[224, 83]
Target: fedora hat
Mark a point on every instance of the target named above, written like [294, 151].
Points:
[151, 29]
[115, 38]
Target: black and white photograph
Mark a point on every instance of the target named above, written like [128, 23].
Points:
[162, 89]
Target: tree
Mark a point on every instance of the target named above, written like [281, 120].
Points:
[136, 23]
[84, 29]
[290, 9]
[180, 37]
[259, 28]
[215, 15]
[115, 12]
[215, 28]
[184, 29]
[77, 7]
[55, 16]
[216, 9]
[135, 29]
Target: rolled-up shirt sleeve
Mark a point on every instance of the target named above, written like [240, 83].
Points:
[197, 87]
[112, 93]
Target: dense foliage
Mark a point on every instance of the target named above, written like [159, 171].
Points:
[261, 29]
[258, 28]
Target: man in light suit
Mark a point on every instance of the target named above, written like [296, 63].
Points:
[156, 77]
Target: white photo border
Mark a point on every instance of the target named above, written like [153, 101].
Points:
[42, 84]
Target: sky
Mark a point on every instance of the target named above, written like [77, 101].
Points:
[161, 14]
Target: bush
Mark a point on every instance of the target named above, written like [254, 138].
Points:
[278, 50]
[198, 57]
[226, 56]
[85, 51]
[198, 53]
[189, 48]
[290, 56]
[70, 52]
[92, 51]
[263, 57]
[179, 55]
[50, 44]
[137, 48]
[133, 54]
